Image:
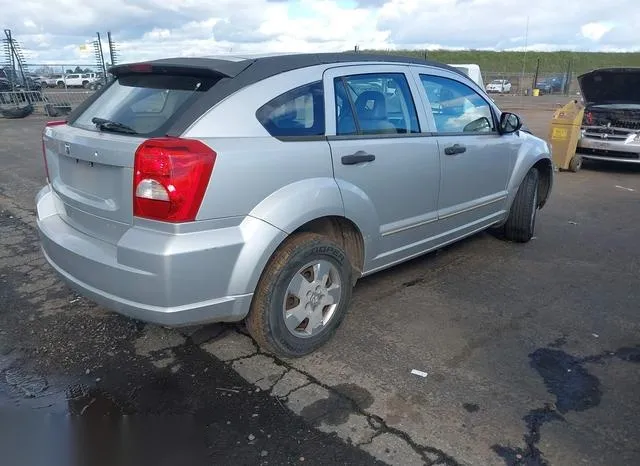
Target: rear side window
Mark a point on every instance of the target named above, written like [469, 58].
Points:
[298, 112]
[146, 103]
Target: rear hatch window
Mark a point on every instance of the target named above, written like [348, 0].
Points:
[142, 104]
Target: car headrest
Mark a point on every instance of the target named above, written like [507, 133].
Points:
[371, 105]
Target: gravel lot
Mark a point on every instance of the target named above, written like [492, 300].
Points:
[531, 351]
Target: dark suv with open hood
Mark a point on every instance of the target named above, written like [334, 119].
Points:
[611, 123]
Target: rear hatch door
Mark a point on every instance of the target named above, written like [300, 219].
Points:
[90, 160]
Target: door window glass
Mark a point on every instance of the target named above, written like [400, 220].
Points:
[374, 104]
[457, 108]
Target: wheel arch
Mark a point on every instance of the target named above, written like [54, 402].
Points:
[545, 180]
[543, 164]
[286, 213]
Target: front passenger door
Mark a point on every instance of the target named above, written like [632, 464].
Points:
[387, 169]
[476, 160]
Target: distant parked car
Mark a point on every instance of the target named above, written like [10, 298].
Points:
[196, 190]
[53, 80]
[99, 83]
[499, 85]
[16, 81]
[30, 84]
[77, 80]
[551, 85]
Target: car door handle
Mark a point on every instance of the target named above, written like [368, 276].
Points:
[359, 157]
[455, 149]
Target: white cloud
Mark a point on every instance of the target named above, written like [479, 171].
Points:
[595, 31]
[146, 29]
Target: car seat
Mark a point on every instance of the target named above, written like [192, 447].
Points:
[371, 108]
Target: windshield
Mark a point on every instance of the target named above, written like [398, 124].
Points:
[143, 103]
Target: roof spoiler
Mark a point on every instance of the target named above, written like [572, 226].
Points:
[197, 67]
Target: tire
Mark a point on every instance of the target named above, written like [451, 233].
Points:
[521, 222]
[575, 164]
[286, 271]
[60, 85]
[85, 84]
[17, 112]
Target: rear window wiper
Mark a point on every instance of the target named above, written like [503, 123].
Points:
[109, 125]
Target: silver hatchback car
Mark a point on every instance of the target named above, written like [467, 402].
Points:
[196, 190]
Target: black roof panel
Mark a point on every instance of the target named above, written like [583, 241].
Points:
[274, 64]
[236, 73]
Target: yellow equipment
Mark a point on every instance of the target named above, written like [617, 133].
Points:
[564, 135]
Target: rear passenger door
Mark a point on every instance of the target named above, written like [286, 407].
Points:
[476, 159]
[388, 171]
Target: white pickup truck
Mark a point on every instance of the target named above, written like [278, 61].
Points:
[72, 80]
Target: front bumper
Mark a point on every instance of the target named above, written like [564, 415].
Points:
[610, 151]
[163, 278]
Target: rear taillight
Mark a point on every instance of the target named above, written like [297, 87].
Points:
[170, 178]
[44, 152]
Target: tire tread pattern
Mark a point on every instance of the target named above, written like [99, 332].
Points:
[518, 226]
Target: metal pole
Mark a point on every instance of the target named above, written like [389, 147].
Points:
[104, 70]
[524, 58]
[11, 60]
[535, 77]
[112, 52]
[567, 80]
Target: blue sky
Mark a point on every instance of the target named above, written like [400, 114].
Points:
[148, 29]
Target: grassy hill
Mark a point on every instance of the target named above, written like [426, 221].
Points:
[512, 62]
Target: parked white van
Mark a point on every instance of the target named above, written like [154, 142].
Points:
[473, 71]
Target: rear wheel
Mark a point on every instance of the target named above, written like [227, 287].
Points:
[522, 216]
[302, 296]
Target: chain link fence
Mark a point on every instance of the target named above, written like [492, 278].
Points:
[524, 84]
[52, 103]
[57, 98]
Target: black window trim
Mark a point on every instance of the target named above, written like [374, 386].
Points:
[297, 138]
[346, 137]
[496, 122]
[360, 135]
[345, 86]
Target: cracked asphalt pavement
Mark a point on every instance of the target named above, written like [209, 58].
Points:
[531, 351]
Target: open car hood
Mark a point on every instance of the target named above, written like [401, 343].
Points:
[611, 85]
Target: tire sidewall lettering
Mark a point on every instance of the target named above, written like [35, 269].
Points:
[328, 251]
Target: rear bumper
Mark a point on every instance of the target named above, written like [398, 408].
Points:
[164, 278]
[611, 151]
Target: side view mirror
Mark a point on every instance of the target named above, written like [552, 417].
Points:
[509, 123]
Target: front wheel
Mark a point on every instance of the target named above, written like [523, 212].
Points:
[302, 296]
[522, 216]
